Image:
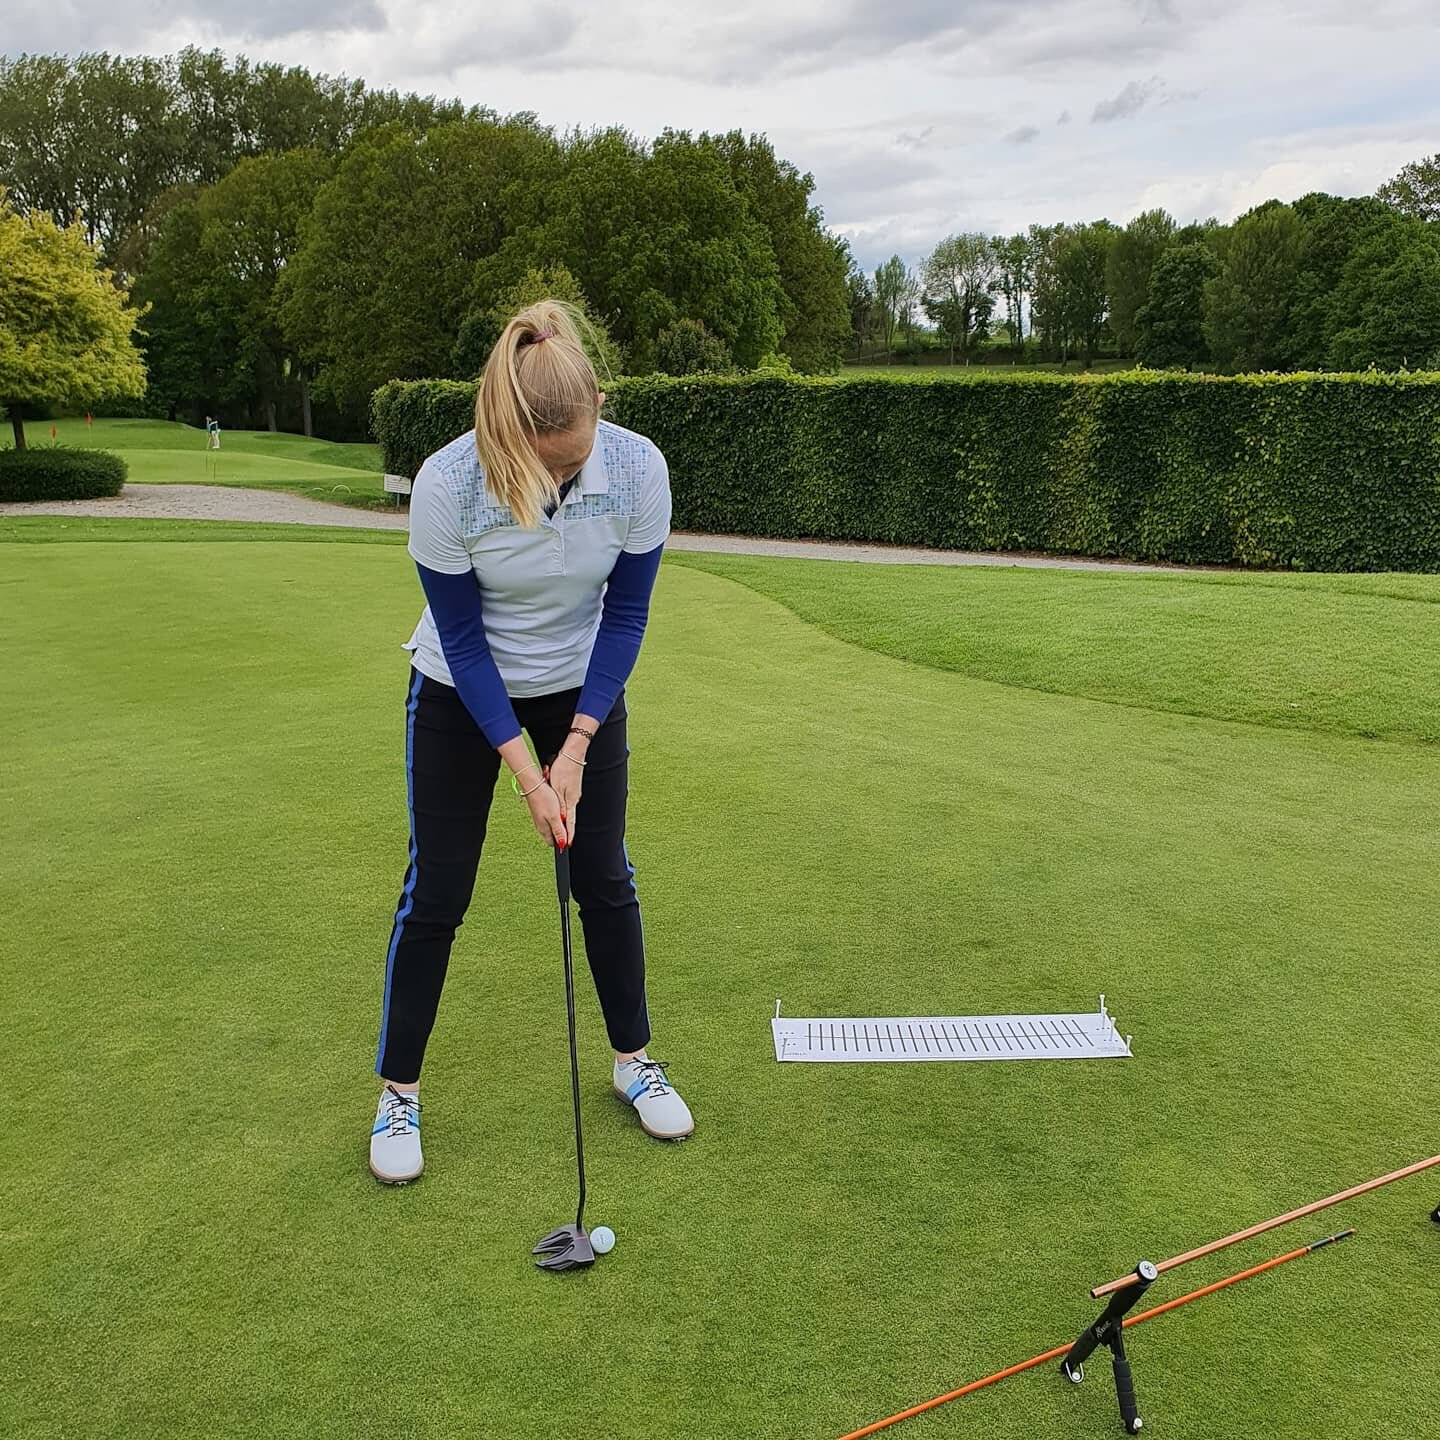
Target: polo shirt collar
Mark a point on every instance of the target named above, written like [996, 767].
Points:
[592, 479]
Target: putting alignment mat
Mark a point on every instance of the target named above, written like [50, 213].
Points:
[950, 1037]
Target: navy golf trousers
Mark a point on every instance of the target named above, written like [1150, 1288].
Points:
[452, 771]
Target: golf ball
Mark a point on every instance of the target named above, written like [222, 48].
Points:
[602, 1239]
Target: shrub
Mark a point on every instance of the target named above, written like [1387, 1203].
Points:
[54, 473]
[1328, 472]
[686, 347]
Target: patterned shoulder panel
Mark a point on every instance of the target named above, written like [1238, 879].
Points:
[627, 463]
[462, 476]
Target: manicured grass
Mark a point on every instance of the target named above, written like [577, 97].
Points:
[1356, 654]
[160, 452]
[202, 814]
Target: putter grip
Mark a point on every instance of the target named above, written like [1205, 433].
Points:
[1081, 1350]
[562, 874]
[1125, 1394]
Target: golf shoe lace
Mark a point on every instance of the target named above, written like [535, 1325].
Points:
[652, 1072]
[401, 1111]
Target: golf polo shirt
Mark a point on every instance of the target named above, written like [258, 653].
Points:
[541, 591]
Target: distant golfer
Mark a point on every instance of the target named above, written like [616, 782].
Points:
[212, 430]
[538, 538]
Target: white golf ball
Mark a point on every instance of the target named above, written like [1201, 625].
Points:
[602, 1239]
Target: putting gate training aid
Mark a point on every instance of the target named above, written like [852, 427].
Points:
[951, 1037]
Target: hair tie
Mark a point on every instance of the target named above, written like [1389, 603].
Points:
[537, 337]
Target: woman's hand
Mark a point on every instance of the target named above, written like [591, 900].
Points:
[549, 818]
[567, 775]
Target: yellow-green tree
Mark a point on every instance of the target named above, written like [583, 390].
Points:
[66, 333]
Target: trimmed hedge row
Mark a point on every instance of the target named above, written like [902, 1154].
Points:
[1322, 472]
[54, 473]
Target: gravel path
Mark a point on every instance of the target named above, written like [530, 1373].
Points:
[223, 502]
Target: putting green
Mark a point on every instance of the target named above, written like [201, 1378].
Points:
[163, 452]
[202, 814]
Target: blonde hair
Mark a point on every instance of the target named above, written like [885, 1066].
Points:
[538, 380]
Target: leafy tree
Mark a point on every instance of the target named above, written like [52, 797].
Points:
[1332, 230]
[1015, 278]
[215, 333]
[186, 349]
[1415, 190]
[1047, 308]
[1169, 325]
[862, 310]
[106, 135]
[959, 276]
[685, 347]
[892, 282]
[653, 235]
[812, 264]
[65, 330]
[1248, 303]
[1081, 263]
[1390, 297]
[555, 282]
[1128, 268]
[382, 278]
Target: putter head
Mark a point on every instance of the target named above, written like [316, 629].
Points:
[564, 1249]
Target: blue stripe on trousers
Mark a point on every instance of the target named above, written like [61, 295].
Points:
[407, 897]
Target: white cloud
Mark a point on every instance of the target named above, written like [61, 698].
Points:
[917, 118]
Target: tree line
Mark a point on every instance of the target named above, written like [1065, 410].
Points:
[297, 238]
[1323, 283]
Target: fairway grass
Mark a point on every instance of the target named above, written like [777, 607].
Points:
[162, 452]
[203, 821]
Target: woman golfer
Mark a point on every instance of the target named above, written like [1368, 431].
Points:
[538, 538]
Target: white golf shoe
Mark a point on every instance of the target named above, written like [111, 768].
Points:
[395, 1141]
[641, 1082]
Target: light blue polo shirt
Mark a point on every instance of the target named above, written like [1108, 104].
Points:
[540, 589]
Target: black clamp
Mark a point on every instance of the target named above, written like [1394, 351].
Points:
[1109, 1330]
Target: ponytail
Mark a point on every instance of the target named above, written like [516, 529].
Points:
[537, 380]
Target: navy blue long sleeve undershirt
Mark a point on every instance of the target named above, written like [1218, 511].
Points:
[455, 604]
[460, 620]
[623, 615]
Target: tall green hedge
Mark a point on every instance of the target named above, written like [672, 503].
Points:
[1323, 472]
[55, 473]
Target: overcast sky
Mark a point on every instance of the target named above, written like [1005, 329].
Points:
[918, 118]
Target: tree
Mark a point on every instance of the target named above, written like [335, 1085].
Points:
[1332, 230]
[812, 265]
[106, 135]
[653, 234]
[1015, 278]
[1169, 325]
[892, 280]
[1389, 296]
[1128, 268]
[65, 330]
[1081, 261]
[1415, 190]
[959, 276]
[384, 272]
[215, 338]
[1248, 303]
[686, 347]
[862, 310]
[555, 282]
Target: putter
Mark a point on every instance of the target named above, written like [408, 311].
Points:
[568, 1247]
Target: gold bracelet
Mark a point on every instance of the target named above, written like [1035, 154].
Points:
[526, 794]
[573, 759]
[515, 778]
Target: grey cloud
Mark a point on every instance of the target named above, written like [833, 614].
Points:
[1023, 136]
[1064, 118]
[1130, 101]
[913, 140]
[132, 26]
